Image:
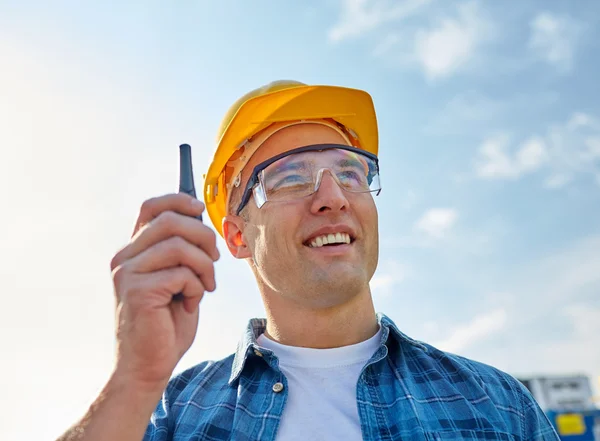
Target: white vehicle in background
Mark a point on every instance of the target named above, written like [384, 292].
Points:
[569, 403]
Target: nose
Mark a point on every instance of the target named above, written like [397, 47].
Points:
[329, 195]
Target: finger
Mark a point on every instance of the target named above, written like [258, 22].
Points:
[157, 288]
[173, 252]
[190, 304]
[178, 202]
[151, 209]
[170, 224]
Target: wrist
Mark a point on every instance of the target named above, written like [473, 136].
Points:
[122, 381]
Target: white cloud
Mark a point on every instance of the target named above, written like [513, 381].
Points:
[495, 162]
[493, 159]
[566, 150]
[478, 329]
[579, 119]
[574, 147]
[553, 39]
[361, 16]
[448, 46]
[436, 222]
[531, 155]
[440, 46]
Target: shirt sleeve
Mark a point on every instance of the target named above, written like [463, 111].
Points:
[536, 425]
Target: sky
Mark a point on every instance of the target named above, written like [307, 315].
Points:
[489, 216]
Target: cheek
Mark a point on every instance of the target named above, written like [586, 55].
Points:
[367, 212]
[268, 235]
[279, 226]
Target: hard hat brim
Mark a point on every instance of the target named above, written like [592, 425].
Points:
[352, 108]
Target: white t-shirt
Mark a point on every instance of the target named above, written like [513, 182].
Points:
[321, 401]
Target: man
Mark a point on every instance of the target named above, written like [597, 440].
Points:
[290, 190]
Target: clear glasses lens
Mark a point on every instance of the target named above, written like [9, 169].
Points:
[298, 175]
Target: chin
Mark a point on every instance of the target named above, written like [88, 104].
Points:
[335, 288]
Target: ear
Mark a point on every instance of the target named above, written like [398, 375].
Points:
[233, 227]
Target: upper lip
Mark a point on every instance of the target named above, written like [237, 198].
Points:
[331, 229]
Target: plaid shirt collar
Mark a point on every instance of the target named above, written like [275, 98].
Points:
[248, 346]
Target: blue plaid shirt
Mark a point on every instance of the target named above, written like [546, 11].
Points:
[408, 390]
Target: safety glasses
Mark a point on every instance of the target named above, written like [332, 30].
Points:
[298, 173]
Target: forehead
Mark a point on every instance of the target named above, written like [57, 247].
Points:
[290, 138]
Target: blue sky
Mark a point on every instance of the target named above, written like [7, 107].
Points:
[490, 149]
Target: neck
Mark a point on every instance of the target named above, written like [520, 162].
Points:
[320, 328]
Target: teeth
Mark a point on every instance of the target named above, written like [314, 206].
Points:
[329, 239]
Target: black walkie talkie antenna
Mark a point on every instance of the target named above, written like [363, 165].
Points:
[186, 173]
[186, 182]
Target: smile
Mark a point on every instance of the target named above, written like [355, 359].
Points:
[330, 239]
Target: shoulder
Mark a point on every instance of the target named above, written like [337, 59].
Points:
[433, 364]
[471, 374]
[481, 383]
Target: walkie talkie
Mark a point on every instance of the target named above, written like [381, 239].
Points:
[186, 183]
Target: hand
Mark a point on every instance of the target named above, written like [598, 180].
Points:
[170, 252]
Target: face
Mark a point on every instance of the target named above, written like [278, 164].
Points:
[277, 238]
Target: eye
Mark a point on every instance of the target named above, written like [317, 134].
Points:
[288, 181]
[351, 175]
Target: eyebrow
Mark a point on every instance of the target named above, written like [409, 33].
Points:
[294, 164]
[288, 165]
[354, 162]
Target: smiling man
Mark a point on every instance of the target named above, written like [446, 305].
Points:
[291, 190]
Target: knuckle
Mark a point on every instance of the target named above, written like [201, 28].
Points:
[174, 247]
[120, 276]
[115, 261]
[183, 272]
[208, 275]
[196, 286]
[212, 237]
[177, 242]
[179, 273]
[148, 205]
[183, 197]
[209, 265]
[189, 275]
[190, 281]
[204, 263]
[167, 220]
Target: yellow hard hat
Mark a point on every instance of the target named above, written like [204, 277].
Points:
[283, 101]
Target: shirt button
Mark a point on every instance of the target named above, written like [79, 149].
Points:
[257, 353]
[277, 387]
